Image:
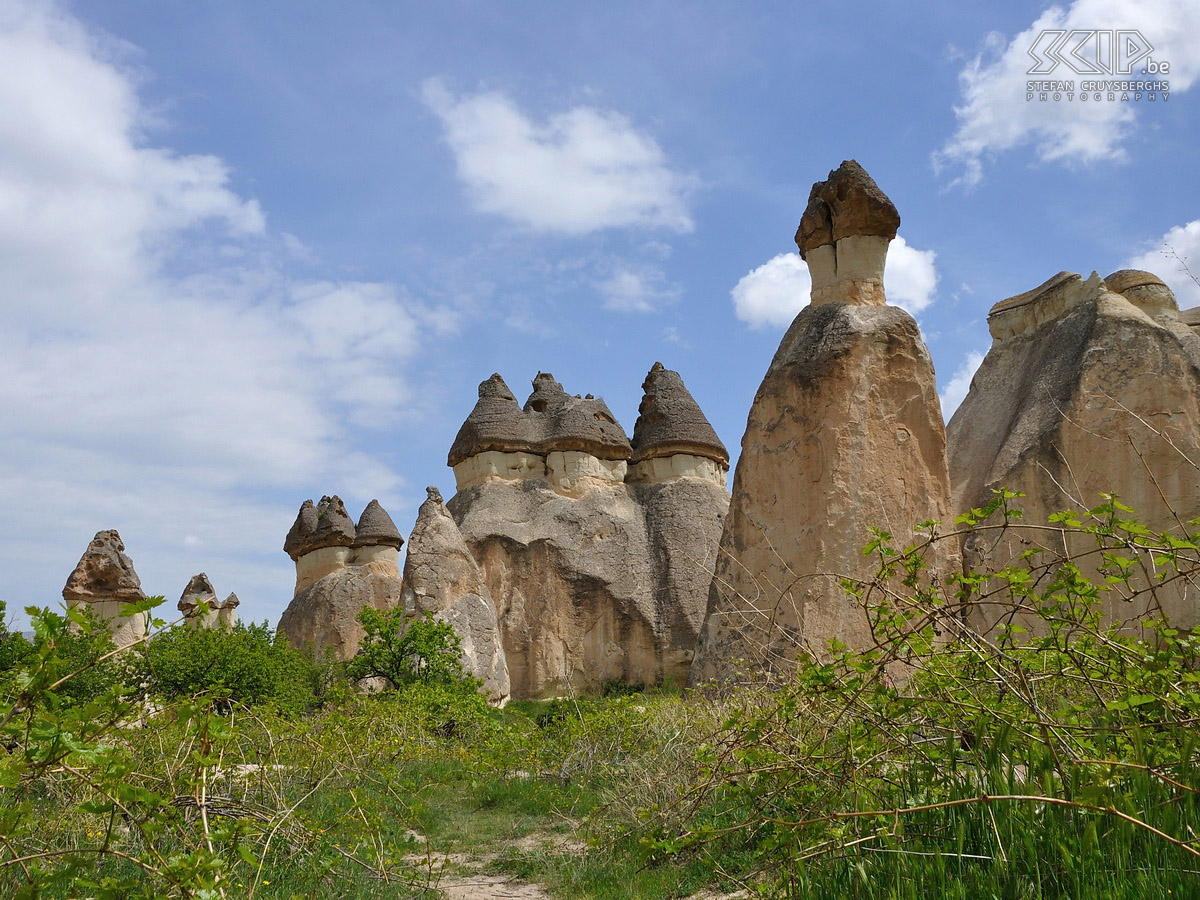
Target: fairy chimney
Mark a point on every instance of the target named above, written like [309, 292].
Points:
[845, 434]
[104, 580]
[340, 569]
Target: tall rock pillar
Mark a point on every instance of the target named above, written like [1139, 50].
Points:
[845, 434]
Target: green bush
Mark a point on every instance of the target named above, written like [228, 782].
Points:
[405, 651]
[14, 648]
[245, 665]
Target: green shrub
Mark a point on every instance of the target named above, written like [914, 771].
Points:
[14, 647]
[247, 664]
[406, 651]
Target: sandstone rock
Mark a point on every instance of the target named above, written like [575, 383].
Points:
[1191, 318]
[198, 602]
[104, 579]
[442, 578]
[338, 574]
[593, 579]
[573, 582]
[670, 421]
[845, 434]
[1086, 389]
[227, 611]
[324, 616]
[201, 609]
[843, 236]
[376, 528]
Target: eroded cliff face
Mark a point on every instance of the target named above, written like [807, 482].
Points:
[845, 434]
[609, 585]
[1085, 390]
[442, 579]
[597, 551]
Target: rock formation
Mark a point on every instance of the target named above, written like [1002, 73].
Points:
[1090, 385]
[200, 608]
[597, 568]
[340, 569]
[845, 434]
[443, 579]
[104, 580]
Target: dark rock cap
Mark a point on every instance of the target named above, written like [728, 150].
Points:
[551, 420]
[230, 602]
[376, 528]
[325, 525]
[104, 572]
[574, 423]
[496, 423]
[670, 421]
[848, 203]
[302, 531]
[198, 591]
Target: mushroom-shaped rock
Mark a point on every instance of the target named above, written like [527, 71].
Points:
[1145, 290]
[844, 234]
[230, 602]
[376, 528]
[104, 573]
[670, 421]
[105, 579]
[198, 597]
[495, 424]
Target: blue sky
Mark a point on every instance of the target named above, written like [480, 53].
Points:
[252, 253]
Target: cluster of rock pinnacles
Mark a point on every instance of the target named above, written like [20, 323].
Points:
[572, 556]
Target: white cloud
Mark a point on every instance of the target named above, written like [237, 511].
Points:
[995, 116]
[581, 171]
[910, 276]
[160, 372]
[773, 293]
[1175, 258]
[636, 289]
[960, 382]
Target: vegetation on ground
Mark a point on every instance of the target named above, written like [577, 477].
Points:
[1056, 757]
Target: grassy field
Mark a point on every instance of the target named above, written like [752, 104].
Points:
[1056, 763]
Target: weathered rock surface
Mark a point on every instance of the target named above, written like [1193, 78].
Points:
[337, 575]
[197, 600]
[200, 607]
[670, 422]
[843, 236]
[104, 579]
[845, 434]
[443, 579]
[1090, 386]
[593, 579]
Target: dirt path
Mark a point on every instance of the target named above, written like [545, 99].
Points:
[490, 887]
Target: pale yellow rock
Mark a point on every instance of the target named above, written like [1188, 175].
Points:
[316, 564]
[677, 465]
[850, 271]
[495, 464]
[1097, 393]
[845, 435]
[1191, 318]
[573, 472]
